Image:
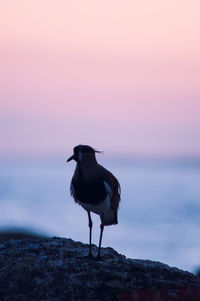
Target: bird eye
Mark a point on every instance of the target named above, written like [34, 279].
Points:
[76, 150]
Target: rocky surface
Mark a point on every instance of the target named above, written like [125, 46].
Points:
[57, 269]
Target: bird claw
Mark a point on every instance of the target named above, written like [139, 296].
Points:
[99, 257]
[89, 256]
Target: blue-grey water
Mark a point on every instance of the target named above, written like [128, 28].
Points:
[159, 215]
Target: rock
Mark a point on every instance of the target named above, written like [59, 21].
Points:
[18, 233]
[57, 269]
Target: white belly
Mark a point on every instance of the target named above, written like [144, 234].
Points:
[98, 209]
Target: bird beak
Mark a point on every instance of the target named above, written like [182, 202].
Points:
[70, 158]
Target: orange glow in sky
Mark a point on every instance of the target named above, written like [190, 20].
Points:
[123, 76]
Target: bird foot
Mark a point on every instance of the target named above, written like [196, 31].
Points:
[98, 257]
[89, 256]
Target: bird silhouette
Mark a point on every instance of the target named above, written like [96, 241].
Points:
[94, 188]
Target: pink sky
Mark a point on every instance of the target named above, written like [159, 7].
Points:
[123, 76]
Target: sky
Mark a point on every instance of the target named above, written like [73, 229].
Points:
[122, 76]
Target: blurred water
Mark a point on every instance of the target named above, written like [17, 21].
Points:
[158, 217]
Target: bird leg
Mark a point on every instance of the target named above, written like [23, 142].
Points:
[90, 237]
[101, 234]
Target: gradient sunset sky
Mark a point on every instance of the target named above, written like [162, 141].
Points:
[122, 76]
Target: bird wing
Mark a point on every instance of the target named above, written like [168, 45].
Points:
[114, 184]
[109, 178]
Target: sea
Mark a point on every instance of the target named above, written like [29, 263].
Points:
[159, 212]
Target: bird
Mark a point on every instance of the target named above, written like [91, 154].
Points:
[96, 189]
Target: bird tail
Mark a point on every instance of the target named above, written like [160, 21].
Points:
[110, 217]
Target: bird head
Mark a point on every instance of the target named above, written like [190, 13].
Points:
[83, 153]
